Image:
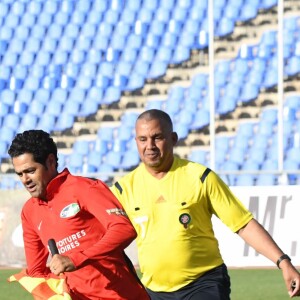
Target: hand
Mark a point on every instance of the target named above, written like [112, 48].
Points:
[292, 278]
[60, 264]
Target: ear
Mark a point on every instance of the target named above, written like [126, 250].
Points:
[51, 161]
[174, 138]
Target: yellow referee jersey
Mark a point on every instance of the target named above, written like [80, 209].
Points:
[172, 216]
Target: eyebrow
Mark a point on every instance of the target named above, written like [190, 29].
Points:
[28, 170]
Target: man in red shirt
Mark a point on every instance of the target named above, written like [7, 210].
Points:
[85, 219]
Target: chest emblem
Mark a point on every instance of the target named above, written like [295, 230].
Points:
[185, 219]
[70, 210]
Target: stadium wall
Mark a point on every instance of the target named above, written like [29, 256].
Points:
[276, 207]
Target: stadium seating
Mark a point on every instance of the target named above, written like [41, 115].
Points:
[63, 60]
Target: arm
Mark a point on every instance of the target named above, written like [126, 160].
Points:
[36, 253]
[257, 237]
[118, 232]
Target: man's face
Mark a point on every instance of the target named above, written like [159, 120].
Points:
[35, 176]
[155, 144]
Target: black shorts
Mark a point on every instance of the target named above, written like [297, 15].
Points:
[213, 285]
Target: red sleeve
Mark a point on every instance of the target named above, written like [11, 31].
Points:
[119, 232]
[35, 252]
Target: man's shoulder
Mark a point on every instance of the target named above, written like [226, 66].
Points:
[185, 164]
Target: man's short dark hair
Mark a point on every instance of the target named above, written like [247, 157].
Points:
[157, 114]
[36, 142]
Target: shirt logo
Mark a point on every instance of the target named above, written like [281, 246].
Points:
[40, 225]
[185, 219]
[70, 210]
[161, 199]
[116, 211]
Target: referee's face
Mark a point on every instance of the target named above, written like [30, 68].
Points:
[155, 144]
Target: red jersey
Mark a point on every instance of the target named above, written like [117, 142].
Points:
[90, 227]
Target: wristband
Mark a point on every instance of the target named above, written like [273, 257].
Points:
[281, 258]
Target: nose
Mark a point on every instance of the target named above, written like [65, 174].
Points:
[25, 178]
[150, 143]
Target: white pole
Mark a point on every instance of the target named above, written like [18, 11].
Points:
[211, 82]
[280, 84]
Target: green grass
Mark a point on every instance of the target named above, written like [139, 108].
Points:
[246, 285]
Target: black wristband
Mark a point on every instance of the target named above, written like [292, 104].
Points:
[281, 258]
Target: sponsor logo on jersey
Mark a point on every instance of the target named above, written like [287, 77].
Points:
[116, 211]
[70, 210]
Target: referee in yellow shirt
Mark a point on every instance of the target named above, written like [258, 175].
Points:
[170, 202]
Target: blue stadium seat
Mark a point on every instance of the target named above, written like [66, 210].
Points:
[199, 156]
[12, 20]
[245, 180]
[61, 18]
[182, 130]
[94, 158]
[293, 154]
[106, 68]
[292, 66]
[81, 147]
[29, 121]
[46, 123]
[248, 12]
[249, 92]
[66, 43]
[42, 95]
[111, 16]
[267, 4]
[94, 17]
[75, 162]
[181, 54]
[157, 69]
[88, 107]
[105, 172]
[8, 97]
[112, 94]
[142, 68]
[246, 129]
[84, 82]
[71, 108]
[4, 109]
[83, 6]
[225, 27]
[113, 159]
[7, 134]
[64, 121]
[134, 41]
[3, 149]
[11, 121]
[94, 94]
[59, 95]
[266, 180]
[250, 165]
[36, 107]
[21, 32]
[237, 155]
[72, 30]
[201, 119]
[54, 108]
[130, 159]
[269, 164]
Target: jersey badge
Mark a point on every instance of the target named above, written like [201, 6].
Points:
[70, 210]
[185, 219]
